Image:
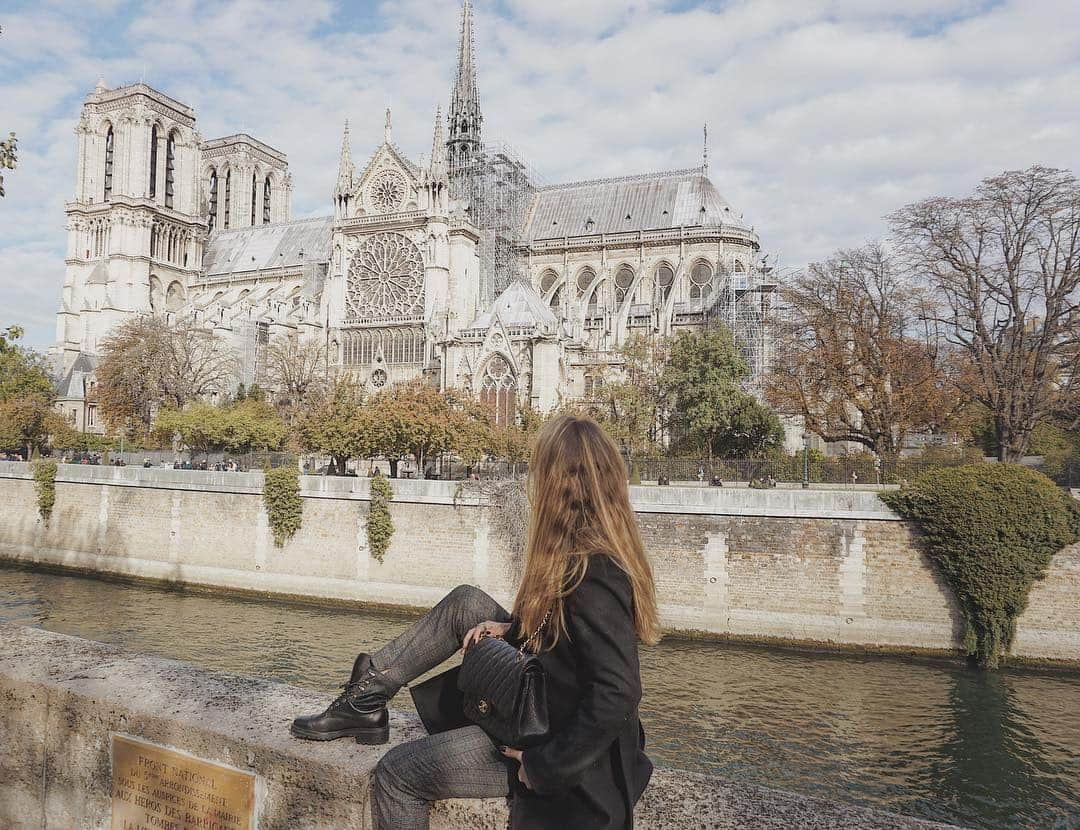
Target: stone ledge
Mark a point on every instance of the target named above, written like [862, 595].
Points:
[709, 501]
[63, 697]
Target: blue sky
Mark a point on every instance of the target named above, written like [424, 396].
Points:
[824, 115]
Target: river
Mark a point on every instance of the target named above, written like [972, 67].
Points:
[933, 739]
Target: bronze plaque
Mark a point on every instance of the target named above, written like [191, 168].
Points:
[154, 788]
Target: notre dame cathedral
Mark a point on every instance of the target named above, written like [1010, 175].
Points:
[461, 268]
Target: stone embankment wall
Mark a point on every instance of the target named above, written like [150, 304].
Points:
[832, 567]
[64, 698]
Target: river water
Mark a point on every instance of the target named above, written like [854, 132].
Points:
[932, 739]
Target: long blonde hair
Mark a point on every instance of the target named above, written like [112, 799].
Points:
[580, 506]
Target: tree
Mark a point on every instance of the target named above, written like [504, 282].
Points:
[851, 359]
[27, 421]
[253, 425]
[710, 411]
[8, 156]
[335, 423]
[27, 398]
[296, 370]
[240, 427]
[1003, 265]
[22, 371]
[149, 363]
[415, 418]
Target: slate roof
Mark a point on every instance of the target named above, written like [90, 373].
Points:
[269, 246]
[518, 305]
[72, 384]
[653, 201]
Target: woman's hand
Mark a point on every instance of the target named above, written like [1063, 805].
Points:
[510, 752]
[490, 628]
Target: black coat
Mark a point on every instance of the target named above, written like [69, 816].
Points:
[593, 769]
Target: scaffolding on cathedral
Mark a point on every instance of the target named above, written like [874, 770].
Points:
[497, 186]
[744, 303]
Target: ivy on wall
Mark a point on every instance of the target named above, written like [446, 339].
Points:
[991, 531]
[45, 486]
[281, 497]
[380, 526]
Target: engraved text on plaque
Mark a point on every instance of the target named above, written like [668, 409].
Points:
[154, 788]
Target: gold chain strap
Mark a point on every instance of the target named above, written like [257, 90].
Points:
[535, 634]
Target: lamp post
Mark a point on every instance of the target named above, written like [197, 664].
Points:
[806, 460]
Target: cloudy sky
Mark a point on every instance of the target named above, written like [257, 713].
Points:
[824, 115]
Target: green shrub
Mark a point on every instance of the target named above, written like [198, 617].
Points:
[991, 530]
[380, 527]
[281, 497]
[45, 485]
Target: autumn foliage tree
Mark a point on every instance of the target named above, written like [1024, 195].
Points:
[852, 359]
[27, 399]
[336, 424]
[1003, 268]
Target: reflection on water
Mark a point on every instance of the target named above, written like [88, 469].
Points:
[928, 739]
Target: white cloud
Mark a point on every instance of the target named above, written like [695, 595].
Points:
[824, 115]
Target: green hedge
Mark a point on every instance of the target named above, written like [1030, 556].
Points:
[281, 497]
[380, 526]
[991, 530]
[45, 485]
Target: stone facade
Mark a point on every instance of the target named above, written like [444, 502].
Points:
[828, 568]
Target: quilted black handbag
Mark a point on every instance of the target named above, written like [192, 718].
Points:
[505, 691]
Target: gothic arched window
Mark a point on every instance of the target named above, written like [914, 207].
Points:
[498, 391]
[266, 201]
[108, 163]
[547, 279]
[254, 196]
[153, 161]
[739, 267]
[624, 279]
[584, 280]
[170, 168]
[700, 281]
[212, 223]
[665, 278]
[228, 198]
[555, 298]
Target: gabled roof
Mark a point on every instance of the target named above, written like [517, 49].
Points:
[396, 154]
[71, 385]
[652, 201]
[518, 305]
[269, 246]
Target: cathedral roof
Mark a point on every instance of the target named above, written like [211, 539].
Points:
[653, 201]
[73, 384]
[284, 245]
[518, 305]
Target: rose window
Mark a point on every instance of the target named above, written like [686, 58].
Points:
[388, 192]
[378, 378]
[386, 278]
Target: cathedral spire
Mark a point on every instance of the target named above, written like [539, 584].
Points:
[465, 86]
[464, 116]
[345, 167]
[438, 147]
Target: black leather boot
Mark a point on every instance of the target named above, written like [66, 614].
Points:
[360, 711]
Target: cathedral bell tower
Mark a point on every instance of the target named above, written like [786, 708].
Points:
[135, 227]
[464, 118]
